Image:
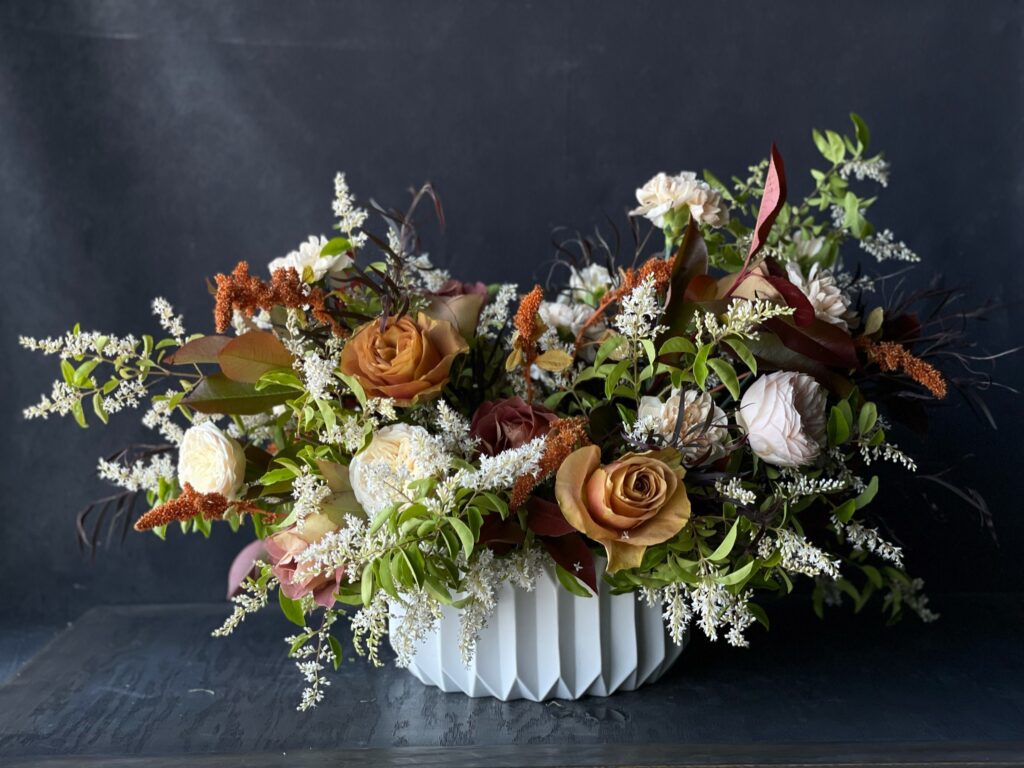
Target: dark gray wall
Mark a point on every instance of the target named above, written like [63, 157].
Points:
[146, 145]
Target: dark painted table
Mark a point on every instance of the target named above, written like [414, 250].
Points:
[147, 685]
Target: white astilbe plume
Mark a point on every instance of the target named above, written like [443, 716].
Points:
[885, 247]
[251, 598]
[309, 492]
[420, 613]
[733, 489]
[866, 539]
[369, 625]
[873, 168]
[170, 322]
[158, 418]
[638, 314]
[740, 319]
[495, 314]
[142, 475]
[350, 217]
[798, 554]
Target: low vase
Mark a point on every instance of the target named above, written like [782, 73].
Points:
[550, 644]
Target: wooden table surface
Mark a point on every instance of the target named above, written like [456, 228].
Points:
[147, 685]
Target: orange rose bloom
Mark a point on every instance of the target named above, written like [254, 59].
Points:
[628, 505]
[408, 361]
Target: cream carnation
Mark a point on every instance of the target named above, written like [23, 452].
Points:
[783, 414]
[210, 461]
[590, 283]
[308, 257]
[666, 193]
[381, 471]
[829, 302]
[697, 444]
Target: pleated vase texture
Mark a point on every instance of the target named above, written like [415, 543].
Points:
[550, 644]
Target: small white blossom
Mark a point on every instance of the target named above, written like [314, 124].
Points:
[350, 217]
[884, 247]
[173, 324]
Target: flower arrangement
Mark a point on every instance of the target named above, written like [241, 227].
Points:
[704, 413]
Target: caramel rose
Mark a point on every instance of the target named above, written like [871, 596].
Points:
[628, 505]
[505, 424]
[409, 360]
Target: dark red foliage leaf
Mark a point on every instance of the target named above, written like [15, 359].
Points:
[545, 518]
[819, 341]
[501, 535]
[572, 551]
[202, 350]
[794, 297]
[772, 200]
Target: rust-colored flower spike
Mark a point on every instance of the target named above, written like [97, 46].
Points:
[564, 437]
[528, 330]
[891, 356]
[189, 504]
[248, 294]
[656, 266]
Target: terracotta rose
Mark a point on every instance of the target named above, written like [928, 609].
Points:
[505, 424]
[408, 361]
[628, 505]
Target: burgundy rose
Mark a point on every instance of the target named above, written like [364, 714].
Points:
[505, 424]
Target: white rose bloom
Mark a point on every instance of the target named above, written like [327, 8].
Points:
[696, 444]
[567, 320]
[783, 414]
[210, 461]
[590, 283]
[829, 302]
[666, 193]
[308, 255]
[381, 471]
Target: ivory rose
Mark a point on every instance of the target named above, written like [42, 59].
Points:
[380, 472]
[783, 414]
[210, 461]
[408, 361]
[628, 505]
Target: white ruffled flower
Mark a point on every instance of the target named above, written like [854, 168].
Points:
[308, 257]
[210, 461]
[829, 302]
[666, 193]
[696, 444]
[783, 414]
[590, 283]
[381, 472]
[567, 319]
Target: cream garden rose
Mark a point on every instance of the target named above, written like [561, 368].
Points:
[820, 287]
[308, 262]
[697, 445]
[665, 193]
[381, 471]
[210, 461]
[783, 414]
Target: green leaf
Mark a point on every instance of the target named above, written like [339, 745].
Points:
[845, 510]
[357, 389]
[219, 394]
[727, 374]
[97, 406]
[613, 379]
[731, 579]
[336, 650]
[385, 577]
[861, 131]
[608, 346]
[465, 535]
[838, 427]
[276, 476]
[79, 413]
[81, 376]
[571, 583]
[868, 418]
[700, 365]
[726, 546]
[678, 345]
[743, 353]
[438, 590]
[334, 246]
[292, 609]
[869, 493]
[366, 587]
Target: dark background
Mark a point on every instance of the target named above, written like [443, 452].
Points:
[147, 145]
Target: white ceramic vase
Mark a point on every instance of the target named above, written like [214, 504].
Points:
[550, 644]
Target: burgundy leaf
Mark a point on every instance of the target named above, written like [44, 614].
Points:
[795, 298]
[496, 531]
[573, 554]
[819, 341]
[545, 518]
[772, 200]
